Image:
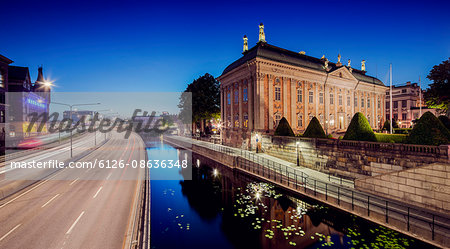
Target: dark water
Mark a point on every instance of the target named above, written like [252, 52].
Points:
[220, 208]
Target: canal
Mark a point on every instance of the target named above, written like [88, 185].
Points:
[221, 208]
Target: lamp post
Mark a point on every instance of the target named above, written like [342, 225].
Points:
[257, 140]
[111, 113]
[70, 115]
[95, 123]
[298, 159]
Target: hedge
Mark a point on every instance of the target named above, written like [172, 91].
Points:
[359, 129]
[389, 138]
[284, 129]
[314, 129]
[429, 130]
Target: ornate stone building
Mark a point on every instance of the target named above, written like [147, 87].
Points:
[268, 83]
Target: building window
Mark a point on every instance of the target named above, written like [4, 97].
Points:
[331, 99]
[395, 116]
[368, 102]
[229, 98]
[236, 96]
[236, 120]
[245, 95]
[2, 82]
[331, 120]
[300, 120]
[403, 116]
[2, 116]
[387, 105]
[403, 103]
[229, 121]
[403, 90]
[362, 102]
[245, 120]
[340, 99]
[368, 119]
[311, 97]
[299, 96]
[349, 119]
[310, 117]
[379, 103]
[277, 119]
[395, 104]
[348, 100]
[277, 93]
[321, 98]
[356, 101]
[321, 118]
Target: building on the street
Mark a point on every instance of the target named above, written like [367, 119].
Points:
[268, 83]
[407, 100]
[22, 98]
[4, 63]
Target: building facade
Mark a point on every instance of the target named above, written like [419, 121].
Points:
[268, 83]
[19, 98]
[407, 103]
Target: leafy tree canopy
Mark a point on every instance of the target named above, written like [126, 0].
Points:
[201, 99]
[438, 95]
[284, 129]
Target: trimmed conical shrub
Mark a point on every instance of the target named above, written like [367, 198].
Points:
[445, 121]
[359, 129]
[429, 131]
[284, 129]
[314, 129]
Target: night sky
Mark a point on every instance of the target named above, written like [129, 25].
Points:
[163, 45]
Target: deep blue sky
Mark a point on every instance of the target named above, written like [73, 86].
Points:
[163, 45]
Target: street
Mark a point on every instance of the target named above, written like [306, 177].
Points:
[76, 212]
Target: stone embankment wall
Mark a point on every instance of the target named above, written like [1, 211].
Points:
[353, 159]
[426, 186]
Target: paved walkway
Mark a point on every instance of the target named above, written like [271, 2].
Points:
[256, 157]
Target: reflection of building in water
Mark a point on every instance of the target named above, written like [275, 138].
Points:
[291, 217]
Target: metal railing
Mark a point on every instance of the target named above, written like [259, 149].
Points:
[430, 225]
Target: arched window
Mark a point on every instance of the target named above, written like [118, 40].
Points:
[245, 120]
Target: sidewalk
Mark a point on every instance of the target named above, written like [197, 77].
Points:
[311, 174]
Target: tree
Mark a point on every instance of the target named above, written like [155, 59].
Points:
[429, 131]
[284, 129]
[438, 95]
[387, 125]
[359, 129]
[201, 100]
[445, 121]
[314, 129]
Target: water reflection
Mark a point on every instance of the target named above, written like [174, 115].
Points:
[222, 208]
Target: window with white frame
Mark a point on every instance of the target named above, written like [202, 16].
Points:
[311, 97]
[340, 99]
[348, 100]
[321, 97]
[362, 101]
[331, 99]
[368, 102]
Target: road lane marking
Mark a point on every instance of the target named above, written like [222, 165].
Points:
[12, 230]
[50, 200]
[98, 191]
[108, 176]
[26, 192]
[74, 181]
[73, 225]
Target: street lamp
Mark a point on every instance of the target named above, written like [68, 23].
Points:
[70, 115]
[298, 159]
[95, 123]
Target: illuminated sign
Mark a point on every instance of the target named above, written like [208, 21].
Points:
[36, 103]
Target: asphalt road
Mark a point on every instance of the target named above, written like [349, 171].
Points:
[76, 208]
